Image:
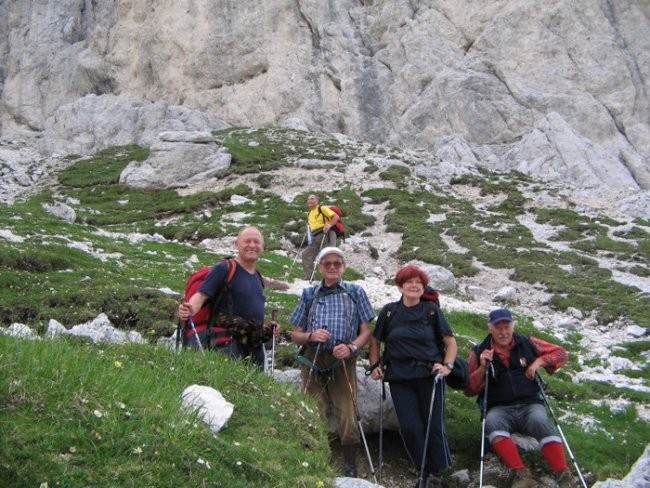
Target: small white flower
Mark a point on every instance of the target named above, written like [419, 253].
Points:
[137, 450]
[305, 464]
[98, 414]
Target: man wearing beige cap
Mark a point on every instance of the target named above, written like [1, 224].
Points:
[332, 324]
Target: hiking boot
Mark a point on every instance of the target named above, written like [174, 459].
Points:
[565, 480]
[349, 461]
[523, 479]
[433, 481]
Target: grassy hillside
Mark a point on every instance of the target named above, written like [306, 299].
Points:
[74, 414]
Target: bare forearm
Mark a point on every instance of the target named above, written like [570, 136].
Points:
[451, 349]
[373, 351]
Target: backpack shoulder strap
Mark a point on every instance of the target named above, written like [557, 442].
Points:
[310, 294]
[351, 290]
[232, 268]
[323, 216]
[387, 316]
[434, 324]
[225, 288]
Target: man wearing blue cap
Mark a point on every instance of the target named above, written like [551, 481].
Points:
[514, 400]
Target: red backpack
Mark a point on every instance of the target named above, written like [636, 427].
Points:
[339, 227]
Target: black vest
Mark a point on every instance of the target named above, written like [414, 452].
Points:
[510, 384]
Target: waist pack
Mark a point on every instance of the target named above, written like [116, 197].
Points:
[247, 332]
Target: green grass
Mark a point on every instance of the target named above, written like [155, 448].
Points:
[118, 420]
[497, 239]
[257, 150]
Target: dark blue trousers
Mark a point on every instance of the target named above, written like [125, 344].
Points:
[412, 399]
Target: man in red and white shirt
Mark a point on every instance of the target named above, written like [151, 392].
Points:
[515, 403]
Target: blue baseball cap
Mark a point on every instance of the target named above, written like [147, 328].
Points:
[500, 315]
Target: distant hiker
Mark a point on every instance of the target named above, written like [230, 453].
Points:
[240, 307]
[332, 324]
[514, 403]
[419, 346]
[320, 233]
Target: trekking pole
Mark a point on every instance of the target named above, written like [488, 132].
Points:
[356, 410]
[488, 368]
[196, 335]
[179, 331]
[293, 263]
[274, 316]
[382, 398]
[313, 365]
[426, 435]
[320, 248]
[557, 424]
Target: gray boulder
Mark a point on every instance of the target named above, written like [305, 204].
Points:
[178, 159]
[368, 395]
[93, 122]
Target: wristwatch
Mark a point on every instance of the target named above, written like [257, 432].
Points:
[450, 366]
[353, 347]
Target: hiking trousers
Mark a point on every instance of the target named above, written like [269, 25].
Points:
[412, 399]
[333, 392]
[526, 418]
[311, 251]
[235, 350]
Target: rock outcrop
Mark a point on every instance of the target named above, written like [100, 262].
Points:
[559, 92]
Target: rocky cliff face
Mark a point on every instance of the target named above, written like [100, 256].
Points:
[559, 91]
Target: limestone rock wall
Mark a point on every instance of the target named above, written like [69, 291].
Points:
[559, 90]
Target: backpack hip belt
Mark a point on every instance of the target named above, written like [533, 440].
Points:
[300, 358]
